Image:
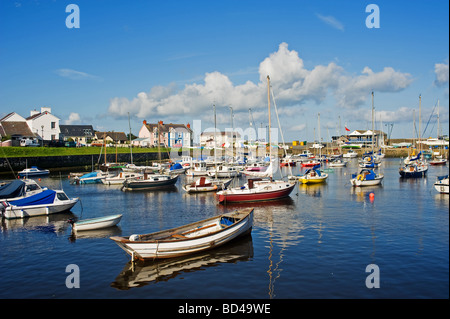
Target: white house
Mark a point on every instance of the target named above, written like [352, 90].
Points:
[44, 123]
[221, 138]
[12, 117]
[15, 128]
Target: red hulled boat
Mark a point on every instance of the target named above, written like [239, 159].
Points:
[256, 190]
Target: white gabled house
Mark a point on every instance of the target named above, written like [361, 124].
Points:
[44, 124]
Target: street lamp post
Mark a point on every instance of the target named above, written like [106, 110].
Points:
[42, 135]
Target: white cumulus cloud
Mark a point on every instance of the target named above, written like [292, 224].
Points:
[441, 71]
[73, 119]
[293, 84]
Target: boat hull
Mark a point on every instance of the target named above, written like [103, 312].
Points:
[96, 180]
[313, 180]
[414, 174]
[200, 189]
[362, 183]
[292, 164]
[12, 212]
[310, 164]
[203, 235]
[34, 174]
[438, 162]
[149, 184]
[225, 197]
[442, 188]
[220, 174]
[442, 185]
[96, 223]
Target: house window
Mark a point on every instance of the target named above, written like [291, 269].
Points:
[53, 124]
[53, 136]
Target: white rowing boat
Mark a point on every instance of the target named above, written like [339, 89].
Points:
[95, 223]
[188, 239]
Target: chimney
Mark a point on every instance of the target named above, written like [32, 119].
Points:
[34, 112]
[161, 123]
[145, 122]
[46, 109]
[188, 125]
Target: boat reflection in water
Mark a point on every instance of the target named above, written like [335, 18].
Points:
[98, 233]
[280, 227]
[54, 223]
[138, 274]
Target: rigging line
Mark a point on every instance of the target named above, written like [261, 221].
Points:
[9, 164]
[281, 131]
[431, 115]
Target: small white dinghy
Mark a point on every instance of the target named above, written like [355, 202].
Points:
[95, 223]
[188, 239]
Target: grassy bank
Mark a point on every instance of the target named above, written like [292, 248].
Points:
[67, 151]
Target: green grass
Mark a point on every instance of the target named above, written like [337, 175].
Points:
[66, 151]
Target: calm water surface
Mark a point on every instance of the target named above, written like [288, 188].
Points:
[314, 244]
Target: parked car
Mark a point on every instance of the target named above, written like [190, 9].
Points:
[26, 141]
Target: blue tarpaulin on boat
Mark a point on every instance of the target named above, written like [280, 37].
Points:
[92, 174]
[14, 189]
[315, 169]
[176, 166]
[417, 157]
[45, 197]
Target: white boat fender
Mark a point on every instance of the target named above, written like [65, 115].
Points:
[133, 237]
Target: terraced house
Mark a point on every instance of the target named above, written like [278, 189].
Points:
[170, 135]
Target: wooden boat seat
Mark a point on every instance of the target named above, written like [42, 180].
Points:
[201, 182]
[183, 235]
[178, 236]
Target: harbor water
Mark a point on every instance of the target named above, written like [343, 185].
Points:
[324, 241]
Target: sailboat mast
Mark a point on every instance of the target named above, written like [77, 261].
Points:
[159, 144]
[215, 145]
[438, 121]
[131, 146]
[104, 143]
[215, 133]
[372, 123]
[320, 145]
[420, 120]
[268, 99]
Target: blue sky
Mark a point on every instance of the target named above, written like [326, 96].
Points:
[172, 60]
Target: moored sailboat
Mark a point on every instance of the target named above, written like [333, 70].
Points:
[366, 177]
[415, 167]
[259, 189]
[313, 176]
